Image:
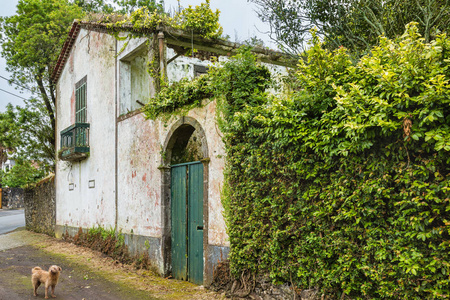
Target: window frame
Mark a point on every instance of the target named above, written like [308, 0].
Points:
[81, 101]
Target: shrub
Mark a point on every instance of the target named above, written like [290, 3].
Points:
[344, 183]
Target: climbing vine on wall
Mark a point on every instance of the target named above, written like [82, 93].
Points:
[184, 95]
[236, 80]
[344, 184]
[199, 20]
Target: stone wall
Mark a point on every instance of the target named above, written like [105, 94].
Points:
[40, 207]
[12, 198]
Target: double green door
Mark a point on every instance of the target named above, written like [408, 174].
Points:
[187, 221]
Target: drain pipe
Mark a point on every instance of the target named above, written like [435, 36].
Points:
[116, 144]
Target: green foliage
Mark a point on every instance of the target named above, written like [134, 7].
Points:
[111, 243]
[237, 79]
[106, 234]
[142, 18]
[124, 6]
[31, 41]
[183, 94]
[128, 6]
[27, 131]
[355, 24]
[202, 20]
[241, 82]
[22, 174]
[107, 241]
[344, 183]
[94, 6]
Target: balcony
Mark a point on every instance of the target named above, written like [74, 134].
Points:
[75, 142]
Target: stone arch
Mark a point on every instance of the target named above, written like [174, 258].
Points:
[184, 126]
[176, 135]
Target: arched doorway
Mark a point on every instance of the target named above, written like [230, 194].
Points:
[185, 178]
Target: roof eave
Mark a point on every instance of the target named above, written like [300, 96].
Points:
[173, 36]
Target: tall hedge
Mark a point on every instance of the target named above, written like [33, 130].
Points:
[342, 183]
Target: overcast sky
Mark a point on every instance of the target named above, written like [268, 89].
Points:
[237, 17]
[8, 8]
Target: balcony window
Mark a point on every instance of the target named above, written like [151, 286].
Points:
[75, 142]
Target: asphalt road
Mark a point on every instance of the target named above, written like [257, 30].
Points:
[11, 219]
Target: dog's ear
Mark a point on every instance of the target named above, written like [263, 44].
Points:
[60, 269]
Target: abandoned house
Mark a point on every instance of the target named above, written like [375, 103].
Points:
[158, 182]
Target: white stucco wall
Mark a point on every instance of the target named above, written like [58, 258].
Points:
[86, 207]
[139, 178]
[139, 141]
[182, 66]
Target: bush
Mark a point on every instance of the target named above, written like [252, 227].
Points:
[344, 183]
[202, 20]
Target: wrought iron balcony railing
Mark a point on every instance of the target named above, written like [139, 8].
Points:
[75, 142]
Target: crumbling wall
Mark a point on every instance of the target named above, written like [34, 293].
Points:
[40, 207]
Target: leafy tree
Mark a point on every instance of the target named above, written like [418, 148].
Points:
[27, 131]
[122, 6]
[94, 6]
[31, 41]
[23, 173]
[128, 6]
[355, 24]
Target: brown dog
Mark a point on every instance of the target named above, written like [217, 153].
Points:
[49, 279]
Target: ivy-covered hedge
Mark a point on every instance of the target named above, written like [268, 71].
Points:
[342, 182]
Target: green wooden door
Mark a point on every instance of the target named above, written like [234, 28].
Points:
[195, 223]
[178, 191]
[187, 222]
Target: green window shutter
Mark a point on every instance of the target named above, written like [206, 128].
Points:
[80, 100]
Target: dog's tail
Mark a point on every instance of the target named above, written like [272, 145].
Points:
[35, 269]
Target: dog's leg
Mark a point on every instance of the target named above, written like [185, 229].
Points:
[46, 291]
[36, 284]
[53, 291]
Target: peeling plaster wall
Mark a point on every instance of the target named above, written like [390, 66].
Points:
[182, 66]
[140, 144]
[93, 56]
[206, 116]
[134, 79]
[139, 154]
[139, 179]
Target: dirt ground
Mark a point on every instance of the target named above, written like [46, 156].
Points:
[86, 274]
